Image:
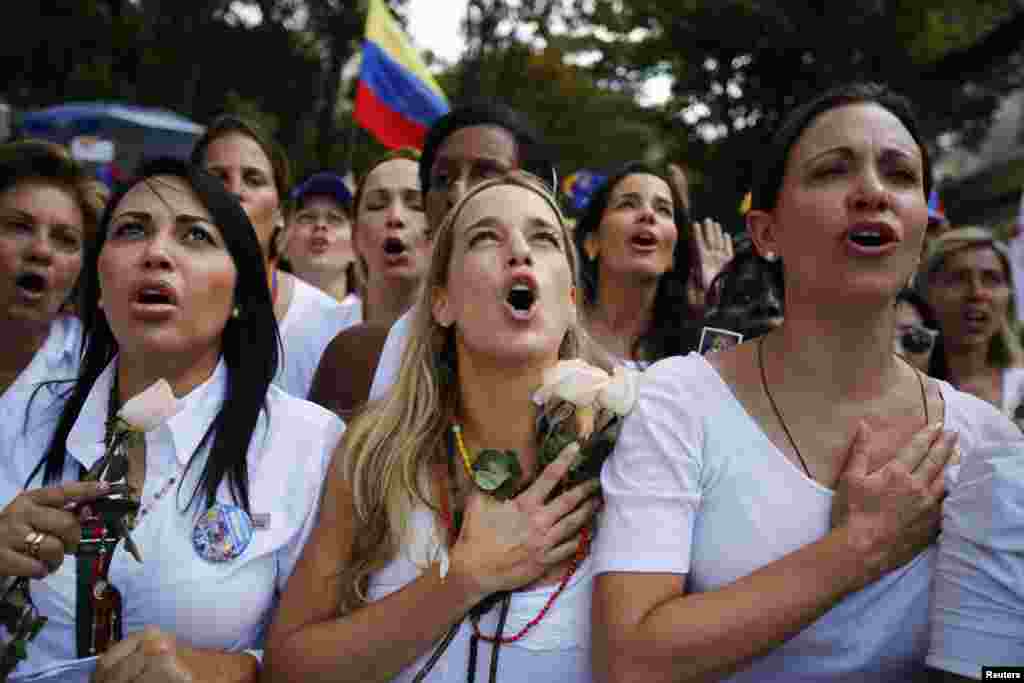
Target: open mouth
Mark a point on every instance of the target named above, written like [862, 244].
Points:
[394, 246]
[976, 317]
[872, 236]
[155, 295]
[644, 240]
[31, 282]
[521, 298]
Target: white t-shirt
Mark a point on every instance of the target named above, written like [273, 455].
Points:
[312, 321]
[386, 374]
[978, 608]
[557, 649]
[1013, 390]
[695, 487]
[225, 605]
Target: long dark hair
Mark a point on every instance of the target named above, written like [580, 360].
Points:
[673, 328]
[250, 343]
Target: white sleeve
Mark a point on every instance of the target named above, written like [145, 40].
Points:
[386, 374]
[651, 482]
[978, 600]
[314, 481]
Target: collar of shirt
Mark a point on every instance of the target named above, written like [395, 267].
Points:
[186, 428]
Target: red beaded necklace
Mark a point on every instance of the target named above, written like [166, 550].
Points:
[582, 549]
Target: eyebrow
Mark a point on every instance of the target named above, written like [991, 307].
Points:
[179, 218]
[847, 152]
[637, 195]
[29, 218]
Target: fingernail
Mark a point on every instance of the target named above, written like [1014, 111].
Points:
[104, 485]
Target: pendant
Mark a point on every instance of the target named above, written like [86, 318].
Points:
[222, 533]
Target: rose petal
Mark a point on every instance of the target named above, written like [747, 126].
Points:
[574, 381]
[151, 408]
[619, 394]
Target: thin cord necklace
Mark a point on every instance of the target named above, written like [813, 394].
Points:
[778, 413]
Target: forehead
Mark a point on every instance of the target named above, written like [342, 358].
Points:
[980, 257]
[643, 184]
[395, 173]
[43, 199]
[854, 126]
[236, 149]
[478, 142]
[161, 194]
[510, 204]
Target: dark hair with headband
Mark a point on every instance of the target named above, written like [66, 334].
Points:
[250, 343]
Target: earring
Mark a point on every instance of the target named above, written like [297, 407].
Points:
[770, 257]
[236, 313]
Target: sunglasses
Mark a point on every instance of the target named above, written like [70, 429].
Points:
[916, 339]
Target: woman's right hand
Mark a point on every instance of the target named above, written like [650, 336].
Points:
[893, 513]
[504, 545]
[48, 511]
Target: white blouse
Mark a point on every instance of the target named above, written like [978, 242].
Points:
[312, 321]
[695, 487]
[28, 414]
[557, 649]
[225, 605]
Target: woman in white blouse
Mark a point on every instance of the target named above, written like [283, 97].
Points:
[175, 289]
[771, 511]
[49, 209]
[376, 596]
[255, 169]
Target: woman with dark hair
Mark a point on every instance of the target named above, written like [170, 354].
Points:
[255, 169]
[634, 266]
[49, 209]
[917, 337]
[471, 143]
[220, 491]
[771, 510]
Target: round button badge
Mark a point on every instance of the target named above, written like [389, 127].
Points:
[222, 533]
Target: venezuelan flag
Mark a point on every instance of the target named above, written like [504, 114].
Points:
[397, 99]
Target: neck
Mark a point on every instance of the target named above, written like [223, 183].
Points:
[848, 356]
[138, 370]
[624, 312]
[968, 362]
[22, 342]
[496, 409]
[330, 282]
[386, 300]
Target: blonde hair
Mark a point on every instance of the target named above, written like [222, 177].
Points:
[1004, 350]
[389, 447]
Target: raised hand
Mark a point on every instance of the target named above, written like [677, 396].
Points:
[894, 511]
[504, 545]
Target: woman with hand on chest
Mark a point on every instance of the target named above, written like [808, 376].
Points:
[216, 473]
[415, 571]
[772, 510]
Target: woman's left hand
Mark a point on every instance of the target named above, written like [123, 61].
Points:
[713, 249]
[149, 655]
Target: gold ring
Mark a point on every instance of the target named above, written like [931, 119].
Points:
[34, 541]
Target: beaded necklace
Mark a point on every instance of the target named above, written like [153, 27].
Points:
[448, 519]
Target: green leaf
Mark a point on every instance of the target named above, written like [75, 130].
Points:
[497, 472]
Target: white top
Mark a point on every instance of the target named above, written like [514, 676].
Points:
[386, 374]
[222, 606]
[978, 608]
[1013, 390]
[556, 649]
[312, 321]
[695, 487]
[57, 359]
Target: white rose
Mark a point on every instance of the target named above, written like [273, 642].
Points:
[619, 394]
[574, 381]
[151, 408]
